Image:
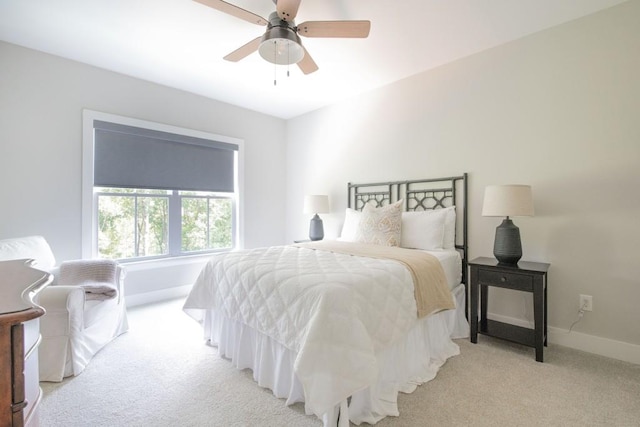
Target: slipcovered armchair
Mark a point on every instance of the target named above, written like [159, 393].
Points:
[84, 307]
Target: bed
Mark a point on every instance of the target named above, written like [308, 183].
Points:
[345, 326]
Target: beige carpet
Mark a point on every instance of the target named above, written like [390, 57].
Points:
[161, 374]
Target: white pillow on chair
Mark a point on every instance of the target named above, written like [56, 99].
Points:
[31, 247]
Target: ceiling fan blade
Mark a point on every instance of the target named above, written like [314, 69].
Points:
[244, 50]
[347, 29]
[287, 9]
[307, 64]
[236, 11]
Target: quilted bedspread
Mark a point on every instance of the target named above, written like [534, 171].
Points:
[334, 310]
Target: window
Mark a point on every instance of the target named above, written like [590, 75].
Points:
[206, 220]
[157, 191]
[132, 223]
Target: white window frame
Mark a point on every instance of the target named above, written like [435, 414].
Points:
[90, 200]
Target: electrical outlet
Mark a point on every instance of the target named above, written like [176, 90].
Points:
[586, 302]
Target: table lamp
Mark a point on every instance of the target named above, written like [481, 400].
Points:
[316, 204]
[507, 201]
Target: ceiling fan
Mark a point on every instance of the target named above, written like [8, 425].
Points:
[281, 44]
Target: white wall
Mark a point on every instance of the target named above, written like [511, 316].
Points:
[558, 110]
[41, 103]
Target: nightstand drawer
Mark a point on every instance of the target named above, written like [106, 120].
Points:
[515, 281]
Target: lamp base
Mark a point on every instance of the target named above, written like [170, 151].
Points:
[316, 230]
[507, 247]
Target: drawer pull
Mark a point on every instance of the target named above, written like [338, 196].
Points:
[523, 282]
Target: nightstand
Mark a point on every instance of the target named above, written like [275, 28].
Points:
[525, 276]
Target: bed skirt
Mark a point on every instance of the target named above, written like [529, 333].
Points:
[402, 366]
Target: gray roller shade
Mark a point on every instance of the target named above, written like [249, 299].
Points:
[132, 157]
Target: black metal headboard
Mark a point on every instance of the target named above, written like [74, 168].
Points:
[421, 194]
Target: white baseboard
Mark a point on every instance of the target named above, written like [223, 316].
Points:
[155, 296]
[590, 343]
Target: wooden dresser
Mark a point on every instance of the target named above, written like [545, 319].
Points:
[20, 391]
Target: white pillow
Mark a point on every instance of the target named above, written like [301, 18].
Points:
[31, 247]
[424, 229]
[381, 226]
[449, 241]
[350, 226]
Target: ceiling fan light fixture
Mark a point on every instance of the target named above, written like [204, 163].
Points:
[281, 46]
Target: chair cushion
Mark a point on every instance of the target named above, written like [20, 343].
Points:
[31, 247]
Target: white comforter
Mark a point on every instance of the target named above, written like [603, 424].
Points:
[335, 311]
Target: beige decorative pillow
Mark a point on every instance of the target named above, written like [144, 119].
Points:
[381, 226]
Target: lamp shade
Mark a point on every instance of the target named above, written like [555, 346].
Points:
[508, 200]
[316, 204]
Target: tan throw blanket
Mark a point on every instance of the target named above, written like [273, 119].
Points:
[430, 284]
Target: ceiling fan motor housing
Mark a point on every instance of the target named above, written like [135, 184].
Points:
[281, 44]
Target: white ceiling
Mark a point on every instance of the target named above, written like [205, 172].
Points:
[180, 43]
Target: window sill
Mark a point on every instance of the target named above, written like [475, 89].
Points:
[148, 264]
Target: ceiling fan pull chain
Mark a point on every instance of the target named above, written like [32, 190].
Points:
[275, 66]
[288, 61]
